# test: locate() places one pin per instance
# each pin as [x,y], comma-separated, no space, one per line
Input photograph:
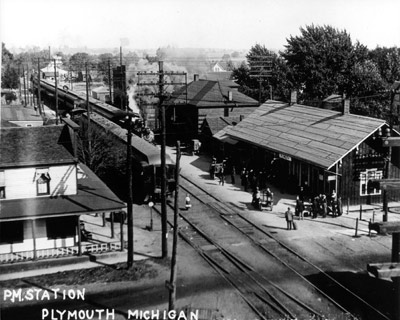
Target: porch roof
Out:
[317,136]
[93,196]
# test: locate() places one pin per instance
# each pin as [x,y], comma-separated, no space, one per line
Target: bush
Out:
[10,97]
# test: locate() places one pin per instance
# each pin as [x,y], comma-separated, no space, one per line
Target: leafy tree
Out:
[78,61]
[388,62]
[9,69]
[106,61]
[321,60]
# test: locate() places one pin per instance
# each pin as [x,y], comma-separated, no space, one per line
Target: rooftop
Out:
[207,93]
[317,136]
[45,145]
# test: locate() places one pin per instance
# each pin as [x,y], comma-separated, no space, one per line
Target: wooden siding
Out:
[21,184]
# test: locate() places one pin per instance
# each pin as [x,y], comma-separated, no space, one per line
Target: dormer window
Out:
[42,178]
[2,185]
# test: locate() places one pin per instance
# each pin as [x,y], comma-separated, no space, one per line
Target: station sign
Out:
[285,157]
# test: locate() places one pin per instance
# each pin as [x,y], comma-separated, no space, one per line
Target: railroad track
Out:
[260,291]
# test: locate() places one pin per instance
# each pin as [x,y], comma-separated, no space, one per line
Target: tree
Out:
[9,69]
[78,60]
[321,60]
[388,62]
[106,61]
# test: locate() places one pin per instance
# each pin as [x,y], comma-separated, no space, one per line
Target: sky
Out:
[230,24]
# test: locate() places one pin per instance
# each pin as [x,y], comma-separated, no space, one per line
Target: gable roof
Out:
[34,146]
[216,124]
[92,196]
[212,94]
[317,136]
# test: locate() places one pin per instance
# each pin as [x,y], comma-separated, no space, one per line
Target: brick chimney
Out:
[230,96]
[346,106]
[196,77]
[293,97]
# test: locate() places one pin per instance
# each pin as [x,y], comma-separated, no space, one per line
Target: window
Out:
[367,184]
[2,185]
[11,232]
[61,228]
[42,178]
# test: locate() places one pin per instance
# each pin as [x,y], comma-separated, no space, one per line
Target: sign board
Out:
[331,178]
[391,142]
[283,156]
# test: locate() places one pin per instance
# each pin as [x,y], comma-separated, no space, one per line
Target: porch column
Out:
[33,225]
[122,232]
[112,224]
[79,235]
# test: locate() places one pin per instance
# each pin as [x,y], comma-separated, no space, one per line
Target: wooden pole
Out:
[56,88]
[164,243]
[34,239]
[356,228]
[172,293]
[130,200]
[39,89]
[78,219]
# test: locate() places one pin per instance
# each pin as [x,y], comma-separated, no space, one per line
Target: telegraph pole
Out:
[109,80]
[261,68]
[23,74]
[164,243]
[56,89]
[39,89]
[130,200]
[88,110]
[172,283]
[161,83]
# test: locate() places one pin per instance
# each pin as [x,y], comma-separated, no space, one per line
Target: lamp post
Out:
[151,204]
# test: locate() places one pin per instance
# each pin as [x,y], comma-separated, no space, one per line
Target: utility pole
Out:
[261,68]
[130,200]
[164,244]
[109,80]
[88,135]
[23,74]
[172,283]
[56,89]
[39,89]
[161,96]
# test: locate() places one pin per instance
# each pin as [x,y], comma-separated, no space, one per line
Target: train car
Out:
[146,159]
[69,100]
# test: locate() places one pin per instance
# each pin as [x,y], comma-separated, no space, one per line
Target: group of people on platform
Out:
[320,205]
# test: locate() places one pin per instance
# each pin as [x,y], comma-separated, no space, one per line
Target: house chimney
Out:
[293,97]
[196,77]
[230,96]
[346,106]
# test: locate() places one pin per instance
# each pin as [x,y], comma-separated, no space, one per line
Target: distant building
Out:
[101,93]
[191,104]
[43,193]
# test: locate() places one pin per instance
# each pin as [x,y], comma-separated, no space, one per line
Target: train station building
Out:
[320,149]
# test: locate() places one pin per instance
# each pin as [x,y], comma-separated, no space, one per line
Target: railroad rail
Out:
[263,295]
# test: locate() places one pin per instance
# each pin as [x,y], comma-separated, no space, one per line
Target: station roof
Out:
[211,94]
[93,196]
[317,136]
[44,145]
